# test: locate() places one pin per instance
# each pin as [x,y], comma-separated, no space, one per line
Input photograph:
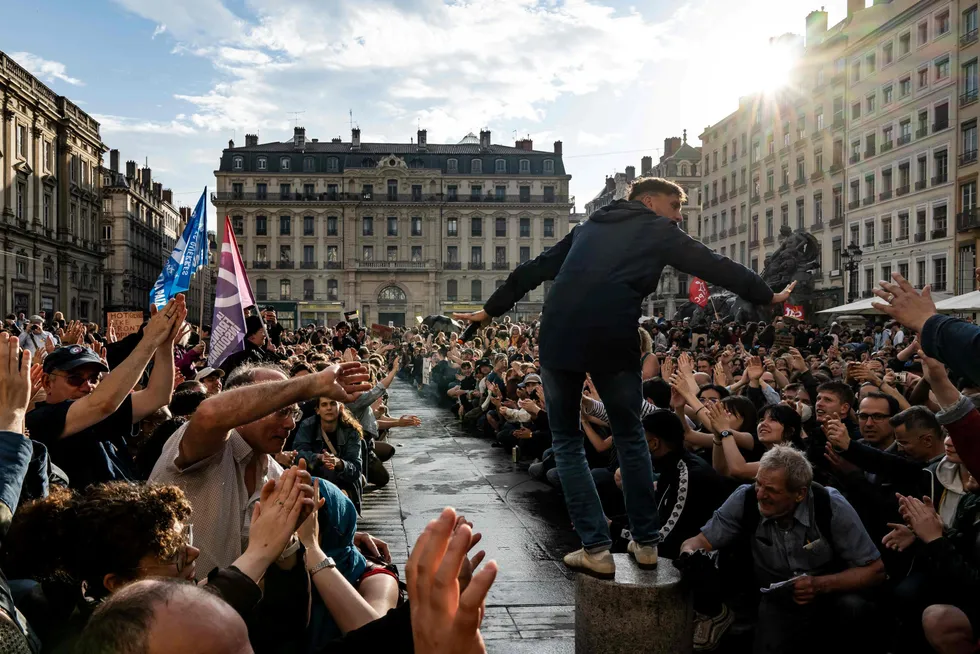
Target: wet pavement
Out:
[524,524]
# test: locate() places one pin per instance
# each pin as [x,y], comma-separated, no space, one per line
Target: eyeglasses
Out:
[874,417]
[290,412]
[77,380]
[187,541]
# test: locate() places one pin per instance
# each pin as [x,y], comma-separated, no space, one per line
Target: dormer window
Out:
[476,166]
[308,165]
[284,163]
[549,166]
[237,163]
[452,166]
[332,165]
[500,166]
[525,166]
[262,163]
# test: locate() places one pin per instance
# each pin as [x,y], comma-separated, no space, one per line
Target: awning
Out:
[863,306]
[966,303]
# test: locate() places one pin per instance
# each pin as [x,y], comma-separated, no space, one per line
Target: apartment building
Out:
[394,230]
[50,152]
[902,142]
[967,222]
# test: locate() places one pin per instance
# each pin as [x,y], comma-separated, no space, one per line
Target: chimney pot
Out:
[423,139]
[630,174]
[114,160]
[251,140]
[646,165]
[146,178]
[158,190]
[231,144]
[558,148]
[168,196]
[484,139]
[299,137]
[355,138]
[130,170]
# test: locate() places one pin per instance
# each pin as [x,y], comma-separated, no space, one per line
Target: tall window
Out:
[525,254]
[367,226]
[307,225]
[284,289]
[500,227]
[261,289]
[525,228]
[476,291]
[332,290]
[452,227]
[392,226]
[549,227]
[939,274]
[331,225]
[416,226]
[285,225]
[476,226]
[451,286]
[307,289]
[260,226]
[309,254]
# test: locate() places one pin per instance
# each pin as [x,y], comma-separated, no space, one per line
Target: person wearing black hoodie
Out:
[602,271]
[255,347]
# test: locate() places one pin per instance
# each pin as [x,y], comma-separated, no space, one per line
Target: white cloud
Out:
[45,69]
[160,29]
[110,124]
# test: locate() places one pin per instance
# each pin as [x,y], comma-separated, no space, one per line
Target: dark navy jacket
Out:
[602,271]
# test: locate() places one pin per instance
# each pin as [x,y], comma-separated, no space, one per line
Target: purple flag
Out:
[232,296]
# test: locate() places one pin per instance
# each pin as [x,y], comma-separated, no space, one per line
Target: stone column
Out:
[648,611]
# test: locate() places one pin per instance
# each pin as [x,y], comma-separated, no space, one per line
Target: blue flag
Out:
[190,253]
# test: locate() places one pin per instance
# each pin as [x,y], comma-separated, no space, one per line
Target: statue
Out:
[441,324]
[796,258]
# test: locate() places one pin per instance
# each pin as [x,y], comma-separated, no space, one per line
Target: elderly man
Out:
[211,378]
[809,536]
[34,336]
[223,455]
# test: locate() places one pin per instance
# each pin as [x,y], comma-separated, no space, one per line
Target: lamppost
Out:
[668,282]
[852,259]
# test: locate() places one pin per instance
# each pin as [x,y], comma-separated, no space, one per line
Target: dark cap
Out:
[70,357]
[481,363]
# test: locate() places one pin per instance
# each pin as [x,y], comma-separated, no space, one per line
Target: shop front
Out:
[322,314]
[285,312]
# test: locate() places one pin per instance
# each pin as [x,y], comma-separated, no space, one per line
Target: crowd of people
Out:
[815,485]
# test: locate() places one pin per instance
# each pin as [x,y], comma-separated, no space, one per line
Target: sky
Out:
[171,81]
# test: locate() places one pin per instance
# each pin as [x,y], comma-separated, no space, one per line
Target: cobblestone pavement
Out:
[524,524]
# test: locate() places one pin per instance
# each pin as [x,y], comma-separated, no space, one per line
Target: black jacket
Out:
[251,354]
[602,271]
[688,492]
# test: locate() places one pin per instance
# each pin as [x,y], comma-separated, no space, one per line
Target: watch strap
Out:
[327,562]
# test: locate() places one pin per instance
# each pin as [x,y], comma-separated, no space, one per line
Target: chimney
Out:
[231,144]
[355,138]
[558,148]
[524,144]
[185,214]
[816,27]
[854,6]
[168,196]
[646,165]
[671,145]
[299,137]
[315,140]
[251,139]
[630,174]
[130,170]
[422,139]
[484,139]
[336,139]
[610,184]
[146,178]
[158,190]
[114,160]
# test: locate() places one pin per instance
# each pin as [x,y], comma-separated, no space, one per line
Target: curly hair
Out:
[345,417]
[82,537]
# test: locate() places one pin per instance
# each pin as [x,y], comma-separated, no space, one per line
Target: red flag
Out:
[698,292]
[793,311]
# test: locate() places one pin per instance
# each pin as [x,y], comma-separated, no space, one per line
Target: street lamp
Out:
[852,259]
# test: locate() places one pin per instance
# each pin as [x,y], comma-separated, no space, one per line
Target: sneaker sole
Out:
[643,566]
[605,576]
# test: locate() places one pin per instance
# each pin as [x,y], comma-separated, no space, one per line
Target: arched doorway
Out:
[392,304]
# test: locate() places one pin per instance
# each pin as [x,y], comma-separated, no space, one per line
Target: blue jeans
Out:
[622,395]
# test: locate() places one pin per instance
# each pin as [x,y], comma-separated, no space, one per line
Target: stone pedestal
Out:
[638,611]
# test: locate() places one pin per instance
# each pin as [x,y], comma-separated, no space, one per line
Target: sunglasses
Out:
[77,380]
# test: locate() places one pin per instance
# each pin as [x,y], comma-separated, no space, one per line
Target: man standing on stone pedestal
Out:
[602,271]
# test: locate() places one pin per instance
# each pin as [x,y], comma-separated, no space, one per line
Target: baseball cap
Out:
[530,379]
[204,373]
[69,357]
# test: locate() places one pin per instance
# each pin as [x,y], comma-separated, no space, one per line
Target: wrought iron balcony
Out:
[939,232]
[854,158]
[783,188]
[853,204]
[920,237]
[260,265]
[308,265]
[920,133]
[501,265]
[904,140]
[884,195]
[886,146]
[968,98]
[286,265]
[919,185]
[424,264]
[939,179]
[902,190]
[968,220]
[868,201]
[836,167]
[476,265]
[333,265]
[968,157]
[304,198]
[816,175]
[870,152]
[938,127]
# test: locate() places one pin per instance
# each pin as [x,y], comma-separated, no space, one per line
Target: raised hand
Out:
[836,433]
[754,369]
[15,384]
[782,296]
[905,304]
[161,325]
[667,368]
[899,538]
[921,517]
[343,382]
[720,377]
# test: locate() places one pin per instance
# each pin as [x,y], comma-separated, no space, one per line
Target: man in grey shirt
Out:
[829,570]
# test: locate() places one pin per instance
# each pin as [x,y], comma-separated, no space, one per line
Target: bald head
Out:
[156,616]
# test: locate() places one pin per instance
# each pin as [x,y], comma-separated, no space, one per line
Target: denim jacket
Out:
[309,444]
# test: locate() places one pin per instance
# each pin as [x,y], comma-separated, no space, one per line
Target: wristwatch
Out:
[726,434]
[327,562]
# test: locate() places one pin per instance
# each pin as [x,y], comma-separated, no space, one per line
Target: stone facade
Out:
[967,221]
[140,227]
[395,231]
[50,153]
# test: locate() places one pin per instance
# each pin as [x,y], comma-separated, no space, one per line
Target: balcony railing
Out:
[886,146]
[767,240]
[308,265]
[817,226]
[967,220]
[968,157]
[854,158]
[884,195]
[870,152]
[837,79]
[919,133]
[744,188]
[425,264]
[742,228]
[259,265]
[838,123]
[939,232]
[868,200]
[723,233]
[286,265]
[799,182]
[816,175]
[939,179]
[853,204]
[837,222]
[333,265]
[783,188]
[816,135]
[226,196]
[769,195]
[836,167]
[723,197]
[904,140]
[476,265]
[919,185]
[501,265]
[920,237]
[452,265]
[714,202]
[938,127]
[902,190]
[969,97]
[754,243]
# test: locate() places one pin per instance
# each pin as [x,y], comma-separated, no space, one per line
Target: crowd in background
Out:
[806,475]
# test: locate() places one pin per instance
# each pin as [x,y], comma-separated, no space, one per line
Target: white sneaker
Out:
[644,555]
[600,565]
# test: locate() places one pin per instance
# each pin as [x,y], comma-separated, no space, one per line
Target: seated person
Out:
[800,528]
[330,443]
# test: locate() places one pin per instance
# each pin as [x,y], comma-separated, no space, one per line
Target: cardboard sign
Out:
[125,322]
[426,370]
[793,311]
[783,340]
[352,316]
[382,332]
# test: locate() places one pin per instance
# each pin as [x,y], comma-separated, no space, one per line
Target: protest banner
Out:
[125,322]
